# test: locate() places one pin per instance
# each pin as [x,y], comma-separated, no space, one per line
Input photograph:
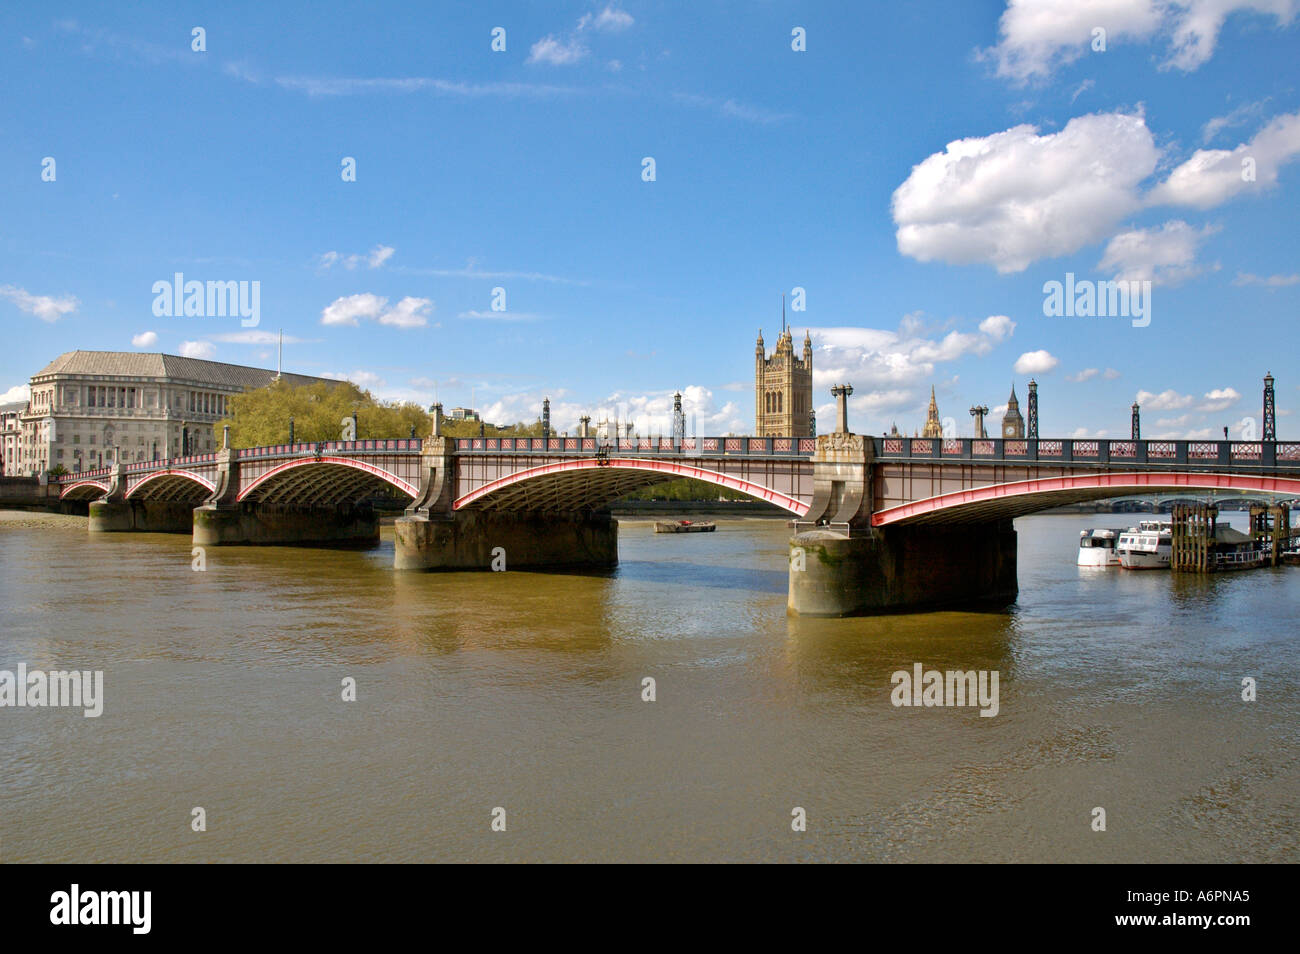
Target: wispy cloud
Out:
[566,49]
[358,86]
[259,338]
[1268,281]
[45,307]
[557,51]
[733,108]
[499,315]
[375,258]
[471,270]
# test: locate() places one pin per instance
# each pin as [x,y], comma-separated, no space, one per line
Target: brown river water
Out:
[523,691]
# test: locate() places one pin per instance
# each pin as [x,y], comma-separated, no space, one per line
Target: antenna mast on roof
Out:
[279,354]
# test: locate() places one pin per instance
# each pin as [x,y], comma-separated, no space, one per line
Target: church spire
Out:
[933,426]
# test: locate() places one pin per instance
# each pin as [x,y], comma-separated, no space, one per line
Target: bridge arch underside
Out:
[84,490]
[591,486]
[172,486]
[323,483]
[1002,501]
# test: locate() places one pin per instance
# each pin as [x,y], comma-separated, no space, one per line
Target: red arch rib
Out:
[360,465]
[1120,483]
[672,468]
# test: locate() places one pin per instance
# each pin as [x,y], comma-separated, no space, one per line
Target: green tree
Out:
[261,416]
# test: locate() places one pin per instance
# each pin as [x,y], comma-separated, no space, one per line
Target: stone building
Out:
[11,433]
[783,401]
[84,404]
[1013,424]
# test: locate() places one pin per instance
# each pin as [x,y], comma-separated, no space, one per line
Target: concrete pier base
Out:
[282,525]
[476,540]
[140,516]
[902,568]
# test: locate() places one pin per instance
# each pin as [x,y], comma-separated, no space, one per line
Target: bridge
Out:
[881,522]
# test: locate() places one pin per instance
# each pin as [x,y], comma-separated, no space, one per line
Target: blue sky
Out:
[920,170]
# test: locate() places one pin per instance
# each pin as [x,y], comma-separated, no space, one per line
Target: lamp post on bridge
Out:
[978,412]
[841,394]
[1032,423]
[1137,421]
[1270,418]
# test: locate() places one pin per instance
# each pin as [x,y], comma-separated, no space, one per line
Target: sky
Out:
[610,207]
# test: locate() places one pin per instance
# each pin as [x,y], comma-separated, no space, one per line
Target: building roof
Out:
[133,364]
[18,406]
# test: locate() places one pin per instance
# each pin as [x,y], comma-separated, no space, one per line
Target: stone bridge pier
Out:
[226,519]
[433,535]
[842,566]
[117,512]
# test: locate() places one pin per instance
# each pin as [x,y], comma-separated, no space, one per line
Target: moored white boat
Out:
[1148,546]
[1097,547]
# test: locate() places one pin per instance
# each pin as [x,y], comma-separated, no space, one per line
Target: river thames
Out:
[523,691]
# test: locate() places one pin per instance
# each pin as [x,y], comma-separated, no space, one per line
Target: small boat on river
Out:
[684,526]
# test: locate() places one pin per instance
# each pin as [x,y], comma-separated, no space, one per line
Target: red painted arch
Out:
[202,481]
[1121,483]
[672,468]
[83,483]
[361,465]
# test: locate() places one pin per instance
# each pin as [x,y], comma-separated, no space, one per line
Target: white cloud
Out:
[1181,420]
[145,339]
[1036,362]
[1169,400]
[1271,281]
[609,20]
[347,310]
[1110,374]
[197,349]
[1165,255]
[44,307]
[1014,197]
[19,392]
[376,257]
[407,313]
[1212,176]
[1036,36]
[567,49]
[1219,399]
[998,327]
[1083,434]
[556,51]
[1196,25]
[884,366]
[1087,374]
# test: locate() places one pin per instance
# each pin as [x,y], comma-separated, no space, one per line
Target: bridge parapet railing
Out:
[1190,453]
[137,466]
[399,445]
[651,446]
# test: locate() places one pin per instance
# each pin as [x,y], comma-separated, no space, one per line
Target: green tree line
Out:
[261,416]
